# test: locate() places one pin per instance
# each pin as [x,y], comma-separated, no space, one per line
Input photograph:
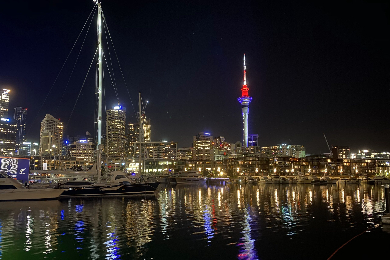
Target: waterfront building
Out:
[158,150]
[245,100]
[203,144]
[269,151]
[4,103]
[20,117]
[7,137]
[115,135]
[83,151]
[370,154]
[158,157]
[203,152]
[341,152]
[51,135]
[283,150]
[297,151]
[184,153]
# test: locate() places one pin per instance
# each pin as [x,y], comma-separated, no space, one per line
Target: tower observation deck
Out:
[245,100]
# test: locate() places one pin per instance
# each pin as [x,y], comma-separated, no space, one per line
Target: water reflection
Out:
[230,222]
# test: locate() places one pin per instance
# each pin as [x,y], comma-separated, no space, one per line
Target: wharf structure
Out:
[213,156]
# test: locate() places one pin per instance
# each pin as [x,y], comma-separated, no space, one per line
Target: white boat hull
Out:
[29,194]
[189,180]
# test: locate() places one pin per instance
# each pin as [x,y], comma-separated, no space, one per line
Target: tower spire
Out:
[245,100]
[244,71]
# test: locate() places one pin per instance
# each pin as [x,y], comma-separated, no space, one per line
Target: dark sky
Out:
[311,68]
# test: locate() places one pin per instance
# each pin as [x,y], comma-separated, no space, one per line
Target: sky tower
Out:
[245,100]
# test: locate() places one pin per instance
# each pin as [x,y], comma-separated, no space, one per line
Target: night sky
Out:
[311,68]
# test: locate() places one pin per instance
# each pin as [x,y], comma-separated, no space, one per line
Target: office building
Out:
[203,147]
[7,137]
[115,135]
[20,117]
[51,135]
[4,103]
[29,149]
[83,151]
[132,135]
[283,150]
[341,152]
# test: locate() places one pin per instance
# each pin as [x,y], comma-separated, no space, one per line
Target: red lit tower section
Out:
[245,100]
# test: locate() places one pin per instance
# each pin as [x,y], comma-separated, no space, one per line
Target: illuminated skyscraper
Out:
[133,135]
[83,150]
[7,137]
[245,100]
[203,144]
[20,117]
[4,103]
[52,132]
[115,134]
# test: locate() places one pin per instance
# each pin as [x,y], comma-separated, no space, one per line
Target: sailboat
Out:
[119,184]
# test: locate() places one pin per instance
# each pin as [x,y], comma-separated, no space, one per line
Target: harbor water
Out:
[264,221]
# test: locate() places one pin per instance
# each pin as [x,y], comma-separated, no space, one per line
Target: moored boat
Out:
[190,177]
[302,179]
[11,189]
[266,179]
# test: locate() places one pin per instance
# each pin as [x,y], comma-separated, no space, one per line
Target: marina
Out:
[264,221]
[109,177]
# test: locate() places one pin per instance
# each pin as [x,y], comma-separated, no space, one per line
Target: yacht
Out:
[292,180]
[314,179]
[117,184]
[328,180]
[190,177]
[379,180]
[350,180]
[11,189]
[266,179]
[302,179]
[283,180]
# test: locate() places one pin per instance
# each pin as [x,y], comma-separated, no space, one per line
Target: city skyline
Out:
[311,69]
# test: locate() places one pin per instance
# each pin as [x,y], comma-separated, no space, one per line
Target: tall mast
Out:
[99,89]
[141,135]
[99,75]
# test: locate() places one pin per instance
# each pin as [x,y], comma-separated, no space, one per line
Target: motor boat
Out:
[190,177]
[11,189]
[266,180]
[302,179]
[328,180]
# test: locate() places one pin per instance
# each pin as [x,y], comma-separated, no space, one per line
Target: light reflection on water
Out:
[229,222]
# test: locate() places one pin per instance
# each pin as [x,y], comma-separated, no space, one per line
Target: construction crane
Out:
[327,143]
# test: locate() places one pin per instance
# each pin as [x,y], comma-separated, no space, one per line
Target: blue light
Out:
[79,208]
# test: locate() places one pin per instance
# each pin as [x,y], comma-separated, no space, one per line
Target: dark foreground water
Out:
[186,222]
